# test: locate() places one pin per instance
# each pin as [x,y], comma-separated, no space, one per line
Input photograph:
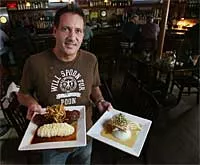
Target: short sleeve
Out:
[96,76]
[27,81]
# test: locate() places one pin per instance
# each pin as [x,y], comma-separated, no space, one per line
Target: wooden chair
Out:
[149,107]
[129,90]
[126,48]
[155,78]
[124,57]
[106,91]
[137,100]
[15,114]
[186,78]
[107,67]
[106,75]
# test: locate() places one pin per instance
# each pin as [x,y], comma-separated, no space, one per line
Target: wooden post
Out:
[166,4]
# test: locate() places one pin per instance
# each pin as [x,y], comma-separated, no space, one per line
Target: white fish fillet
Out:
[55,129]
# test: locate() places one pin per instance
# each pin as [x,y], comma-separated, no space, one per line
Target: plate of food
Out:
[121,130]
[59,127]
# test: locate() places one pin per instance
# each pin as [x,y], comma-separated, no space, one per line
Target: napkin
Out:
[6,99]
[11,88]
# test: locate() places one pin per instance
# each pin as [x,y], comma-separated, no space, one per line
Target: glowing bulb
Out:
[28,4]
[3,19]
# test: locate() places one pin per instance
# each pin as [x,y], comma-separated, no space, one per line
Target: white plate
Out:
[95,132]
[80,140]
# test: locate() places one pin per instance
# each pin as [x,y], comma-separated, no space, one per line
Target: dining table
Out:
[153,73]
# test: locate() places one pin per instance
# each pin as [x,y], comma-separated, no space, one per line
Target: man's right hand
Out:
[32,108]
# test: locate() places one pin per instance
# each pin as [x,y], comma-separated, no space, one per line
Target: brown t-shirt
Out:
[52,81]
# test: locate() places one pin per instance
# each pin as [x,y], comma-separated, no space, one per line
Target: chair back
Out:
[186,76]
[106,91]
[107,70]
[129,92]
[137,100]
[108,96]
[148,106]
[15,114]
[126,47]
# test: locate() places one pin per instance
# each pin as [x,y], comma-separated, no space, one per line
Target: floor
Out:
[176,143]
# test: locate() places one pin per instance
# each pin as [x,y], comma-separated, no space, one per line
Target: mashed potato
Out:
[55,129]
[120,134]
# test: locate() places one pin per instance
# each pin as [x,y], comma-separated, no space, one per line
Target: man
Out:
[88,35]
[6,55]
[149,34]
[131,29]
[65,75]
[150,30]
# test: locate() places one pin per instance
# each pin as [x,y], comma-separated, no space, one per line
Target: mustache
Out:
[69,41]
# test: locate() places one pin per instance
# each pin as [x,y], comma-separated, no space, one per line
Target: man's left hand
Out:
[104,106]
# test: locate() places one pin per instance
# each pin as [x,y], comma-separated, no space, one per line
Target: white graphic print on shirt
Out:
[67,82]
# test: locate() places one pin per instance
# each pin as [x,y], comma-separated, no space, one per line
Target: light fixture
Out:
[28,5]
[103,13]
[3,20]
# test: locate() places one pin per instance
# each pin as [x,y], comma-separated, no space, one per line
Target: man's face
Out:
[69,34]
[136,18]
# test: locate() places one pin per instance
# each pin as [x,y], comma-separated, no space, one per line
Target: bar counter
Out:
[174,39]
[103,38]
[96,31]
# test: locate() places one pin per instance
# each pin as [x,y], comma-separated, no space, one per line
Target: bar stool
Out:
[126,51]
[126,47]
[149,47]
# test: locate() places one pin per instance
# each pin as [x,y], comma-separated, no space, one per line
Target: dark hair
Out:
[133,15]
[67,9]
[150,18]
